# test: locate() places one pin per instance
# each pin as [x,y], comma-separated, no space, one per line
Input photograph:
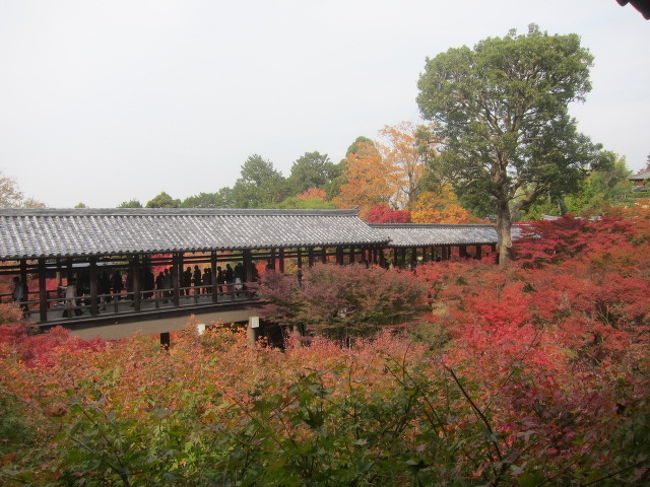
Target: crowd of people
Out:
[116,285]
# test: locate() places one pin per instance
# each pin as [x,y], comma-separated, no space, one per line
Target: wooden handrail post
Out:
[213,274]
[42,290]
[92,275]
[136,272]
[175,294]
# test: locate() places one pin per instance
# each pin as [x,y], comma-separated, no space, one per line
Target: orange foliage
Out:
[385,172]
[313,194]
[442,207]
[370,180]
[400,151]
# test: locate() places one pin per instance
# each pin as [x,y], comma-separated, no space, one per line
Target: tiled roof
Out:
[640,176]
[33,233]
[424,235]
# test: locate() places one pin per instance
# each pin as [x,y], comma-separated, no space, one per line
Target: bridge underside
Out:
[159,322]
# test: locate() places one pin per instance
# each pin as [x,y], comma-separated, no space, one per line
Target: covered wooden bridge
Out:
[115,272]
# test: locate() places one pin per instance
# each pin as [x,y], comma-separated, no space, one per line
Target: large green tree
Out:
[500,113]
[163,200]
[220,199]
[312,170]
[132,203]
[259,185]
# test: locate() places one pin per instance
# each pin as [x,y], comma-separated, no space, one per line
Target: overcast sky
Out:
[104,101]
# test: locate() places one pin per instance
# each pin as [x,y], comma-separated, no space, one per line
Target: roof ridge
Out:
[431,225]
[20,212]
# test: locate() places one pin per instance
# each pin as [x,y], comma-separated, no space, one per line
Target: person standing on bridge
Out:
[196,280]
[117,283]
[207,280]
[186,281]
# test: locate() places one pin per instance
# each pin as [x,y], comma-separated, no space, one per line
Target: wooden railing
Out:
[56,307]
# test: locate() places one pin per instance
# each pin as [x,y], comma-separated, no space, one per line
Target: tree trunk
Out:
[504,223]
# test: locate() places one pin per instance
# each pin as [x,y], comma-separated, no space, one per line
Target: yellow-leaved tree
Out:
[386,171]
[440,207]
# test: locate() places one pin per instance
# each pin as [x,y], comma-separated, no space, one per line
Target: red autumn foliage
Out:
[553,355]
[383,214]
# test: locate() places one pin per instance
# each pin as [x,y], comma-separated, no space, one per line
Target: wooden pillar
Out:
[310,256]
[299,258]
[165,340]
[395,258]
[479,252]
[247,256]
[339,255]
[351,255]
[414,257]
[323,255]
[462,251]
[42,290]
[382,257]
[59,274]
[92,275]
[175,294]
[281,260]
[272,260]
[213,275]
[402,257]
[68,273]
[136,273]
[364,256]
[23,274]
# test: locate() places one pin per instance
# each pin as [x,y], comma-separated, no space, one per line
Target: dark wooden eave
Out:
[642,6]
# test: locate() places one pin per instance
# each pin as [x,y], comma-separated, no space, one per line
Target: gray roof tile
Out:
[33,233]
[425,235]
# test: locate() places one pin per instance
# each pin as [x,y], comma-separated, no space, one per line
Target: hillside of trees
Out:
[458,373]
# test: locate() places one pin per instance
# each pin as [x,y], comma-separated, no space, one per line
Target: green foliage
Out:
[220,199]
[163,200]
[312,170]
[80,205]
[501,112]
[606,185]
[295,203]
[259,184]
[130,204]
[14,430]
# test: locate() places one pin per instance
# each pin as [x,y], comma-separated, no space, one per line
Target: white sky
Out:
[106,101]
